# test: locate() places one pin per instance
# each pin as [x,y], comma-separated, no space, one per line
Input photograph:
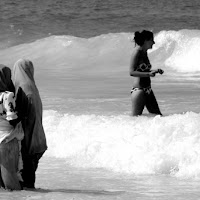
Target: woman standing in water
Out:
[29,107]
[140,68]
[11,134]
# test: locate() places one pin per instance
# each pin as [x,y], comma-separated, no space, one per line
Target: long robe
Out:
[29,107]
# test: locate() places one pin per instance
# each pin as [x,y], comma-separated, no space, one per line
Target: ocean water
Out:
[81,52]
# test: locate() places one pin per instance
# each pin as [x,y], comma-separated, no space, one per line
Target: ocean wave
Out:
[180,50]
[174,51]
[124,144]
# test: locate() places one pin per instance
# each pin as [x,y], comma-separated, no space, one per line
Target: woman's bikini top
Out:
[143,67]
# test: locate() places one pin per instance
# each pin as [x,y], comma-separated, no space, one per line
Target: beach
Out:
[81,53]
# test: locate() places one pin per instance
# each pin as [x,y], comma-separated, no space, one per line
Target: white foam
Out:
[181,50]
[134,145]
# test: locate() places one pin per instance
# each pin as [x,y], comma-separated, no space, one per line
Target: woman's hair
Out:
[140,37]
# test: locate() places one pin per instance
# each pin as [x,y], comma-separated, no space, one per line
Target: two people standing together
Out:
[22,137]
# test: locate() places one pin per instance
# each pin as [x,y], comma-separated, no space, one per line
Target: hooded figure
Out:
[29,108]
[9,135]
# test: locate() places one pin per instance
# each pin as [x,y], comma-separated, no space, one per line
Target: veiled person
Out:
[11,134]
[29,107]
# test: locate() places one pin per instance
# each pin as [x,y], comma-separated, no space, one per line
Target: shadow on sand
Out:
[77,191]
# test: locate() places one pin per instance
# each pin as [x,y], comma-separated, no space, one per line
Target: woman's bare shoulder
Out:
[136,52]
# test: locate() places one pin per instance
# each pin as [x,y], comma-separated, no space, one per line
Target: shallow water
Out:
[58,181]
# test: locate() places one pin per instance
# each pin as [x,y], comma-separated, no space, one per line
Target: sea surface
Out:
[81,52]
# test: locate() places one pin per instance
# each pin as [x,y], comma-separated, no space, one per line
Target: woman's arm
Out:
[133,67]
[143,74]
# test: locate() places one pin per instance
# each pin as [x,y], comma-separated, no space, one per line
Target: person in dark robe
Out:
[30,111]
[9,144]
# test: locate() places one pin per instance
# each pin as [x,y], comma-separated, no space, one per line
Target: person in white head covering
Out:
[29,108]
[10,134]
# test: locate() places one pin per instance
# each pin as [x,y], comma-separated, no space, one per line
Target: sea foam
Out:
[125,144]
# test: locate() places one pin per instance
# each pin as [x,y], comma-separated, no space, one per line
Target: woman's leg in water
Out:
[151,104]
[138,102]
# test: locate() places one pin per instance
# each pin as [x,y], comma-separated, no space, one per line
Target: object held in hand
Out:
[160,71]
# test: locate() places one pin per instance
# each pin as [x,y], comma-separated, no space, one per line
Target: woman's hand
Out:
[160,71]
[152,73]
